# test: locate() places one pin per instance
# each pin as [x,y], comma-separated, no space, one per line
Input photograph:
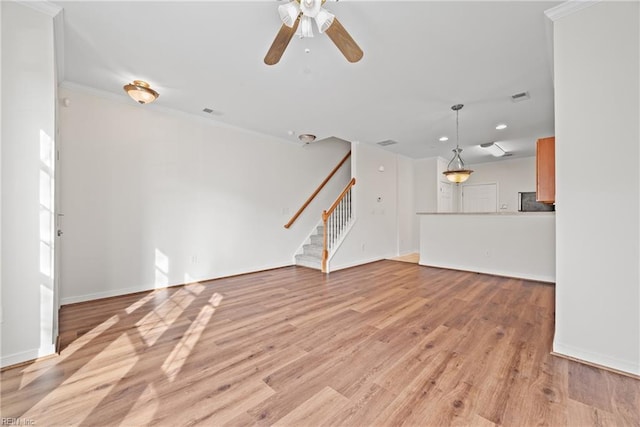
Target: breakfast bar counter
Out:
[513,244]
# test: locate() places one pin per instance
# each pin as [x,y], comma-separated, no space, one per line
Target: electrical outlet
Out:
[503,206]
[194,259]
[363,247]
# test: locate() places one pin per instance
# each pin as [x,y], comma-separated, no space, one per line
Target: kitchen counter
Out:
[514,244]
[486,213]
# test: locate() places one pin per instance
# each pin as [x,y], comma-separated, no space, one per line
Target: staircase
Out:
[336,223]
[311,255]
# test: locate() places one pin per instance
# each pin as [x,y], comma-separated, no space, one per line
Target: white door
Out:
[480,198]
[445,197]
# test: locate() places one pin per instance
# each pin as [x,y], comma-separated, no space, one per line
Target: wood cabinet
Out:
[546,170]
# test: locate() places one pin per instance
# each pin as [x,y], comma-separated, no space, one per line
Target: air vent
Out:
[387,142]
[522,96]
[212,111]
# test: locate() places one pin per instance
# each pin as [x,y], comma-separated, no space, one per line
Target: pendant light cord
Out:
[457,129]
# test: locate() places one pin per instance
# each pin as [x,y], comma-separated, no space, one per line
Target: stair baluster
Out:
[336,221]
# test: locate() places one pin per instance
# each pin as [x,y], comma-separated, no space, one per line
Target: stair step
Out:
[309,261]
[312,249]
[316,239]
[320,229]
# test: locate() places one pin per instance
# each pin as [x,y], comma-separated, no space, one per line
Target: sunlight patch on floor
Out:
[110,365]
[34,371]
[182,350]
[154,324]
[145,408]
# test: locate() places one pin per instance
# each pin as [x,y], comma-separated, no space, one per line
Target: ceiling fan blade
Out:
[280,43]
[341,38]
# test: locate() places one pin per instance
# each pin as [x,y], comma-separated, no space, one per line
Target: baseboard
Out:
[138,289]
[612,364]
[356,263]
[510,274]
[105,294]
[28,356]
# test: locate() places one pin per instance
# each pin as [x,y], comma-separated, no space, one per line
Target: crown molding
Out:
[58,40]
[125,100]
[568,8]
[43,6]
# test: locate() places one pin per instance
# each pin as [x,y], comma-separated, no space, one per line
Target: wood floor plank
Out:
[316,411]
[383,344]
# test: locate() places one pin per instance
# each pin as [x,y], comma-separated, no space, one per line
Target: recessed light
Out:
[501,126]
[443,138]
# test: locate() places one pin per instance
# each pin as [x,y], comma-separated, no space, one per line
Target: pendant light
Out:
[456,171]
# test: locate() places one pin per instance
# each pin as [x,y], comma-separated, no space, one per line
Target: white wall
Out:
[597,185]
[512,244]
[408,224]
[426,184]
[374,234]
[511,175]
[154,199]
[28,115]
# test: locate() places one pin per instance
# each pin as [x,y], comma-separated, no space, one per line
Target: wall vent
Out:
[387,142]
[521,96]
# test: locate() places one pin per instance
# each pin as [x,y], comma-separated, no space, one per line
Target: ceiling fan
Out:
[297,17]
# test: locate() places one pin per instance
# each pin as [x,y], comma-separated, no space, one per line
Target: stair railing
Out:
[336,220]
[315,193]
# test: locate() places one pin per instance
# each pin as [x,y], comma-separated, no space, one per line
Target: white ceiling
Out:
[420,58]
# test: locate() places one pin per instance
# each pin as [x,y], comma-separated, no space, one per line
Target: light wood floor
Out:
[385,344]
[413,258]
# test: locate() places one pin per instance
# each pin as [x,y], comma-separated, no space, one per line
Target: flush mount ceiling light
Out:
[307,138]
[494,149]
[443,139]
[456,171]
[501,126]
[141,92]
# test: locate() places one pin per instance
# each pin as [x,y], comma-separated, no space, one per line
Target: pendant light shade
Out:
[456,170]
[141,92]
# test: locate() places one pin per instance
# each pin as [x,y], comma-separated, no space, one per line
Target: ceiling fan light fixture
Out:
[297,16]
[141,92]
[456,171]
[310,8]
[305,29]
[289,13]
[324,19]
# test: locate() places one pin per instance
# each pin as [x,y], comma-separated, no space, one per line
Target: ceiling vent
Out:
[387,142]
[522,96]
[212,111]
